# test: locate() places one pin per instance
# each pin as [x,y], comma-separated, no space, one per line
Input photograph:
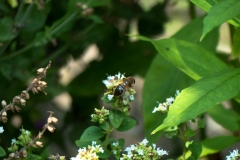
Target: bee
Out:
[123,87]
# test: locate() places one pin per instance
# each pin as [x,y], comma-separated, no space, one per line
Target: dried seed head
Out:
[4,117]
[40,70]
[16,99]
[54,119]
[39,144]
[11,106]
[18,109]
[25,95]
[4,103]
[24,153]
[34,90]
[4,114]
[51,128]
[49,120]
[35,80]
[12,155]
[23,101]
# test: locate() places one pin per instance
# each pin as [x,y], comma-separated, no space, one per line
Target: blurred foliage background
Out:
[94,33]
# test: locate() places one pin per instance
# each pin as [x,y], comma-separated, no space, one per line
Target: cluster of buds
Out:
[35,86]
[164,107]
[57,157]
[120,91]
[116,149]
[26,140]
[100,115]
[143,151]
[89,153]
[85,9]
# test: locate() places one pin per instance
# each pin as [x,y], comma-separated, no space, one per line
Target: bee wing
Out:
[125,97]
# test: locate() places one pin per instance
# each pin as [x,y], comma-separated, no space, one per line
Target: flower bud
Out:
[24,153]
[34,80]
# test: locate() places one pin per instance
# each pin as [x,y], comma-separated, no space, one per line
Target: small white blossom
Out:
[140,152]
[145,141]
[1,130]
[13,141]
[131,97]
[110,97]
[107,83]
[115,143]
[233,155]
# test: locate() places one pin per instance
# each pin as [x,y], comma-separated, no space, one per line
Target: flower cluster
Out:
[35,86]
[233,155]
[119,92]
[100,115]
[89,153]
[143,151]
[164,107]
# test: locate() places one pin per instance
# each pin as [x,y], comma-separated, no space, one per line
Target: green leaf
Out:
[105,126]
[116,118]
[216,144]
[219,13]
[201,96]
[126,124]
[235,43]
[190,58]
[6,29]
[2,152]
[189,133]
[33,157]
[163,76]
[105,154]
[201,123]
[92,133]
[227,118]
[207,5]
[196,149]
[37,17]
[210,41]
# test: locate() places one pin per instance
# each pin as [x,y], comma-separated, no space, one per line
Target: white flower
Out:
[161,152]
[114,152]
[107,83]
[177,92]
[170,100]
[154,146]
[1,130]
[155,109]
[145,141]
[140,152]
[110,97]
[13,141]
[131,97]
[115,143]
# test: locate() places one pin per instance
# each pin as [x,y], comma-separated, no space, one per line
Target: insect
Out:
[123,87]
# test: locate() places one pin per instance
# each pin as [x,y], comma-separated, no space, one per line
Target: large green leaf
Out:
[190,58]
[161,82]
[6,29]
[201,96]
[224,117]
[163,78]
[208,4]
[219,13]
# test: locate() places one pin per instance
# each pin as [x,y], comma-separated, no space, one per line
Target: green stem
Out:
[67,20]
[107,136]
[192,11]
[184,139]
